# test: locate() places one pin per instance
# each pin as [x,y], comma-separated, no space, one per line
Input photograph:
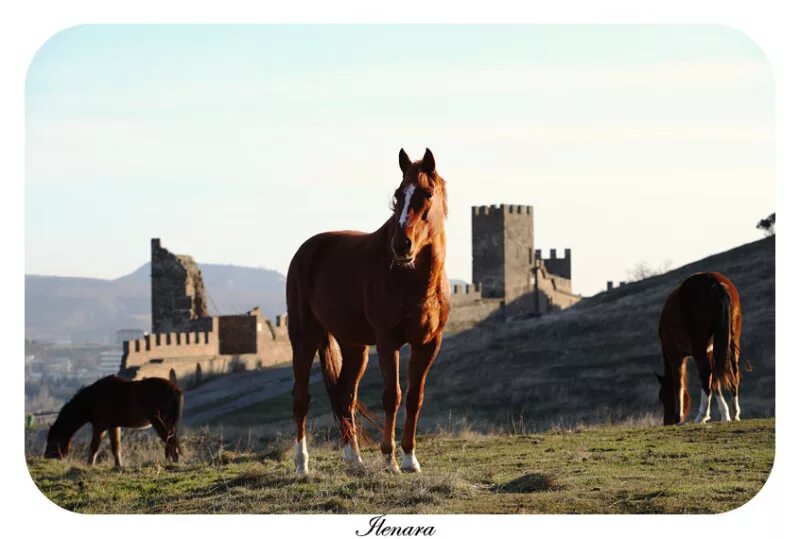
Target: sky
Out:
[634,144]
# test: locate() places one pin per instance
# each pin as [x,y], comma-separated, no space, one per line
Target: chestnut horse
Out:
[348,290]
[701,318]
[111,403]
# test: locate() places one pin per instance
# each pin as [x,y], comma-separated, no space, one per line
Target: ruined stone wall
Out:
[553,293]
[178,297]
[555,265]
[465,293]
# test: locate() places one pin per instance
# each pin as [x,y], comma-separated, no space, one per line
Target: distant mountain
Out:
[91,310]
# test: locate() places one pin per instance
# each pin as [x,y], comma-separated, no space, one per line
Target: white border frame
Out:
[24,28]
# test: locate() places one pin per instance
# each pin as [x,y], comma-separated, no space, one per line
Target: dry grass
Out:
[612,469]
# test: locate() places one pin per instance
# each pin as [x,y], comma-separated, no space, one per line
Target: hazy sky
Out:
[236,143]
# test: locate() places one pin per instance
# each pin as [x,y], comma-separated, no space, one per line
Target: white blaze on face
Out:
[408,192]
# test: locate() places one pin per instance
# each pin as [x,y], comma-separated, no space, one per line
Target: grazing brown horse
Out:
[111,403]
[701,318]
[348,290]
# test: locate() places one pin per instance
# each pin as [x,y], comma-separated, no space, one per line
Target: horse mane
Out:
[78,399]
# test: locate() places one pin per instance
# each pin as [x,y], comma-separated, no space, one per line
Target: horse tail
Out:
[331,361]
[724,369]
[173,443]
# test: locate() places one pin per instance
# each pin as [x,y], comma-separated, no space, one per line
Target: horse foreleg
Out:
[390,369]
[354,363]
[418,366]
[94,446]
[114,438]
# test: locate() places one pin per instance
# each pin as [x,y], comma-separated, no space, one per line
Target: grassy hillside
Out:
[591,363]
[689,469]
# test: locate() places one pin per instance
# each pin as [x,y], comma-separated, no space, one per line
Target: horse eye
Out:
[427,194]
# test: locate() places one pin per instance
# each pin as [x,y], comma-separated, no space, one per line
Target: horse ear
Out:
[428,163]
[173,377]
[405,162]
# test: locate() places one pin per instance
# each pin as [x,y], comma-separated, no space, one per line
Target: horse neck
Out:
[71,418]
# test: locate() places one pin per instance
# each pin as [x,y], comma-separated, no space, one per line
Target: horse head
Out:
[420,208]
[58,445]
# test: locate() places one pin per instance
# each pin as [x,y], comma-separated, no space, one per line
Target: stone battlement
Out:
[499,209]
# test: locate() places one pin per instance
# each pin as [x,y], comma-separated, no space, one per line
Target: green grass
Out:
[688,469]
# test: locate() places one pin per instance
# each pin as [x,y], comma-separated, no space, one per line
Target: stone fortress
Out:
[510,279]
[189,341]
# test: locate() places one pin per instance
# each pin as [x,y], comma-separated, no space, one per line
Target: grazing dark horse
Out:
[701,318]
[113,402]
[348,290]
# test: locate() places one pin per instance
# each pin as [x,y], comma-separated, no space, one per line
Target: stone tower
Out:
[502,250]
[178,297]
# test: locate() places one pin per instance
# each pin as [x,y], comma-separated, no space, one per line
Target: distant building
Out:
[110,363]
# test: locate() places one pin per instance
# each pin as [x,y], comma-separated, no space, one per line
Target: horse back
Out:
[328,281]
[131,403]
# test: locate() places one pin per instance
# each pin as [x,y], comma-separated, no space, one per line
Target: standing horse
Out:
[111,403]
[348,290]
[701,318]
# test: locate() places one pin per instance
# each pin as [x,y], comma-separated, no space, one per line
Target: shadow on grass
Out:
[532,482]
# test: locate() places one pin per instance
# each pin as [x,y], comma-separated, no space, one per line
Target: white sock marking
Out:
[409,191]
[724,412]
[301,457]
[704,413]
[737,412]
[351,453]
[410,463]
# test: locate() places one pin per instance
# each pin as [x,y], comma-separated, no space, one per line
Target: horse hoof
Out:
[392,468]
[351,456]
[410,464]
[301,471]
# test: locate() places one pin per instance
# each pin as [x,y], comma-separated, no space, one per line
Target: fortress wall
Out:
[465,294]
[273,342]
[137,352]
[467,315]
[553,293]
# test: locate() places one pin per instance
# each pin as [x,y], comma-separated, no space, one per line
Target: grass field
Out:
[708,468]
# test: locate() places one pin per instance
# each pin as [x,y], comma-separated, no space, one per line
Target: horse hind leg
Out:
[724,411]
[114,438]
[354,363]
[700,354]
